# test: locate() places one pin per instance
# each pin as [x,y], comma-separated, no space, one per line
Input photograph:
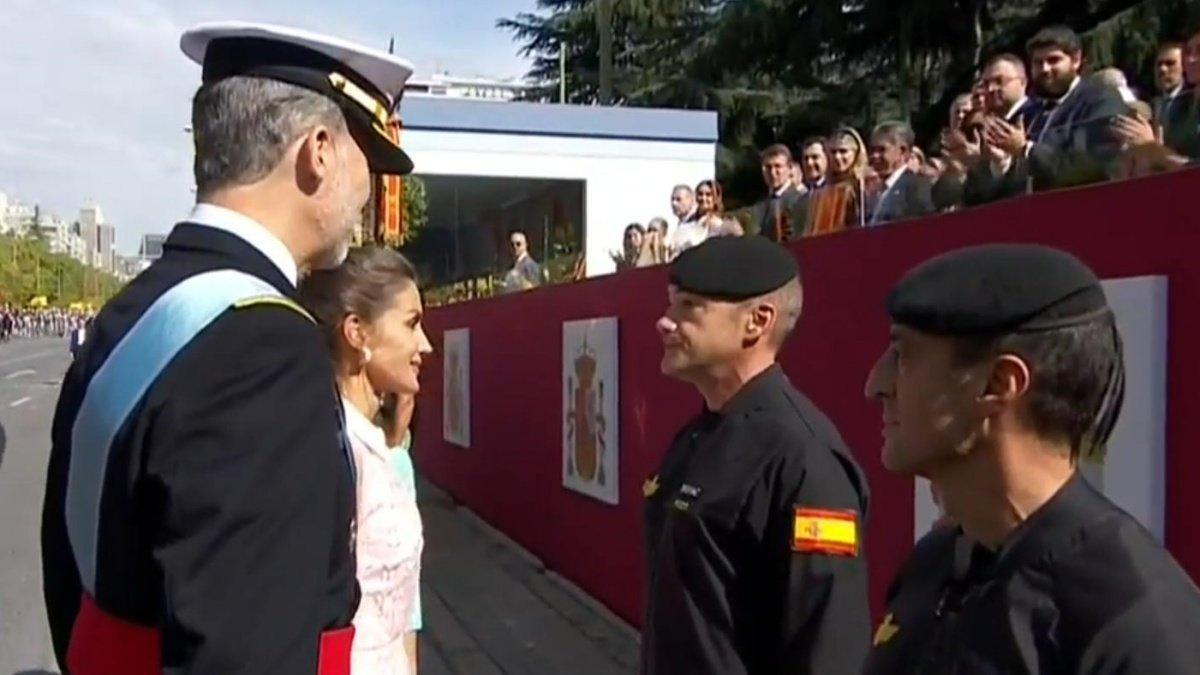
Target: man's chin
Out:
[672,367]
[1055,89]
[895,461]
[333,257]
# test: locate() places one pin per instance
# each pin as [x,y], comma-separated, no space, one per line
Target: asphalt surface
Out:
[30,374]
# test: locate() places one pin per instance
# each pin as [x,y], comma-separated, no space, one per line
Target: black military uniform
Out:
[755,521]
[199,510]
[1080,586]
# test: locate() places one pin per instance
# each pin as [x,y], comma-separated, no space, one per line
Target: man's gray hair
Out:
[682,188]
[788,302]
[243,125]
[1113,78]
[898,133]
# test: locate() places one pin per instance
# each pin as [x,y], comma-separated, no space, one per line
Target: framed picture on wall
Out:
[590,422]
[456,387]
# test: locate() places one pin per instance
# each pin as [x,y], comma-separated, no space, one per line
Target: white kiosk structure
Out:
[568,175]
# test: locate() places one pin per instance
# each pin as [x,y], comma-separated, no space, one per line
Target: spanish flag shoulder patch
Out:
[829,531]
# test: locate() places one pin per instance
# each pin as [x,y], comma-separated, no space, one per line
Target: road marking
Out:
[20,373]
[29,357]
[19,402]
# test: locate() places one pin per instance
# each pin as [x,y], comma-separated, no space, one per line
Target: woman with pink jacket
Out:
[371,311]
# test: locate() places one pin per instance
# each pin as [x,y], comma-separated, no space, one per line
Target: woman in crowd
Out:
[654,248]
[631,247]
[841,204]
[370,310]
[959,110]
[710,210]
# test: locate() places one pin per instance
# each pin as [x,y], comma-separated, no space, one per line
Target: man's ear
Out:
[760,319]
[314,159]
[1009,380]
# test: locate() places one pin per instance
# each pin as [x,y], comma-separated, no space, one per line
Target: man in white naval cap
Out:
[199,510]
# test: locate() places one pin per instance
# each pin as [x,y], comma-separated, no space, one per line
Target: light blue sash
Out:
[119,385]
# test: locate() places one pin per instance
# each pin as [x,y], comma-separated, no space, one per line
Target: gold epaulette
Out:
[277,300]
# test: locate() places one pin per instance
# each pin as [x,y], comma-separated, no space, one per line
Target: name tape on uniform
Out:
[829,531]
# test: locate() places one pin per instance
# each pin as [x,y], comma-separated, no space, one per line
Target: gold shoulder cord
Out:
[277,300]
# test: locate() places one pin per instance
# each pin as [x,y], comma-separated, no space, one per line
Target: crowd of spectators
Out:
[1027,124]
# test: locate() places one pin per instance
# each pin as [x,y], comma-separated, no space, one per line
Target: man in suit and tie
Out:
[1071,141]
[1173,103]
[774,217]
[814,165]
[1005,81]
[905,194]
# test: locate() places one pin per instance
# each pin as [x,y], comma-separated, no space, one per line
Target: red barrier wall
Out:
[511,476]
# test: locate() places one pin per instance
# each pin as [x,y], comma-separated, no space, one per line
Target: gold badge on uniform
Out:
[829,531]
[886,631]
[650,487]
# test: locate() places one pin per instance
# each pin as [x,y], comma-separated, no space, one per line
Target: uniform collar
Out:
[250,231]
[751,395]
[1073,508]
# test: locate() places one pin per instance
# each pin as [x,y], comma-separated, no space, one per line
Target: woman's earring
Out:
[366,355]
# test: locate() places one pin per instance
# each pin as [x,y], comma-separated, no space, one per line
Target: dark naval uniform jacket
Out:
[1081,588]
[754,531]
[199,505]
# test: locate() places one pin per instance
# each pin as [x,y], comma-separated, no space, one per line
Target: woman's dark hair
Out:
[365,285]
[634,227]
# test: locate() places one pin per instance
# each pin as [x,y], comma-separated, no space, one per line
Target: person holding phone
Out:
[370,311]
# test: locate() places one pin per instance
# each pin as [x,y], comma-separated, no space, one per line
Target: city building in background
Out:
[62,237]
[149,250]
[15,217]
[129,266]
[99,238]
[443,84]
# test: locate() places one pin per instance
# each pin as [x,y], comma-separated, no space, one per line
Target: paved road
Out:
[489,608]
[30,373]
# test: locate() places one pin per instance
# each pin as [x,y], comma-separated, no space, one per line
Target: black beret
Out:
[996,289]
[734,268]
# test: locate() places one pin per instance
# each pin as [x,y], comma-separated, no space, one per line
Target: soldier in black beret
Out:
[1004,371]
[755,519]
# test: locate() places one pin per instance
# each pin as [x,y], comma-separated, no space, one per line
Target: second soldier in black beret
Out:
[1005,371]
[755,519]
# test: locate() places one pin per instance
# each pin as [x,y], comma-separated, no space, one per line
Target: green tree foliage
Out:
[416,207]
[28,270]
[780,70]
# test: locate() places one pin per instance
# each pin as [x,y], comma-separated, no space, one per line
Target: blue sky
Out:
[97,92]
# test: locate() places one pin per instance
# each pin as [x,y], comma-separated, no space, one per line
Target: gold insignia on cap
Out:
[376,109]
